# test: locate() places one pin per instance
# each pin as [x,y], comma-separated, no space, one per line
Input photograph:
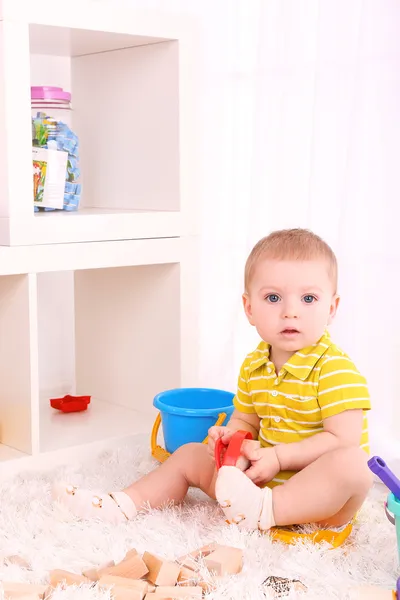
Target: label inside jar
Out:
[49,175]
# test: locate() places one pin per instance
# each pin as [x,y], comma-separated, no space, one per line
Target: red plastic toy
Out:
[70,403]
[227,455]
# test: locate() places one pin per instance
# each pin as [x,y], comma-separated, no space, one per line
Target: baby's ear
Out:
[247,308]
[333,308]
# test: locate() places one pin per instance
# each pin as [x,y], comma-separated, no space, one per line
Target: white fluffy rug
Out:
[50,538]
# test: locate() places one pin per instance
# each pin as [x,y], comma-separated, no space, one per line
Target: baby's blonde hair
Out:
[291,244]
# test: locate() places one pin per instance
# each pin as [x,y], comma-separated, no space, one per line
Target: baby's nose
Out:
[290,312]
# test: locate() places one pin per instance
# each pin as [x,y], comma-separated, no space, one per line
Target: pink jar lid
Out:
[49,93]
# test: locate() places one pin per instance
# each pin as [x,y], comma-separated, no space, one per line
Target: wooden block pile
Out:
[146,577]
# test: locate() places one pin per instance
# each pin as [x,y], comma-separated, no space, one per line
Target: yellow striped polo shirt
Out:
[315,383]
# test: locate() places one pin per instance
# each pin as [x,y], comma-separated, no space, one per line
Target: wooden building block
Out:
[91,573]
[161,572]
[16,590]
[190,560]
[48,593]
[225,560]
[193,578]
[188,576]
[58,576]
[119,592]
[135,584]
[23,597]
[177,591]
[130,553]
[106,565]
[15,559]
[204,550]
[131,566]
[209,585]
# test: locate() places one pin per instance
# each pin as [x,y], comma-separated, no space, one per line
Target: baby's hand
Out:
[264,463]
[214,434]
[243,462]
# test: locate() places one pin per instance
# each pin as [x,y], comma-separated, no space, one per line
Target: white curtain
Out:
[301,127]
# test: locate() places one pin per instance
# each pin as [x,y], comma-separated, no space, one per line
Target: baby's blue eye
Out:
[309,299]
[273,298]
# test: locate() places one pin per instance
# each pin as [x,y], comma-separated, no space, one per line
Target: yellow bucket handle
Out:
[158,452]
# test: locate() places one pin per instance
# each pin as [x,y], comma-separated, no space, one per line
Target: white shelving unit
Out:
[101,301]
[131,75]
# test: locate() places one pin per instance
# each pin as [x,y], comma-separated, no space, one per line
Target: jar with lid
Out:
[55,150]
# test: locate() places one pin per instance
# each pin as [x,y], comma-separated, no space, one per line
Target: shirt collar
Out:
[299,364]
[303,362]
[260,358]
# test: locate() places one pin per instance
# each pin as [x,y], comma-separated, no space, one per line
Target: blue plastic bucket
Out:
[188,413]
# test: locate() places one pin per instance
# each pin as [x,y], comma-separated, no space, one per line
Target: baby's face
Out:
[291,302]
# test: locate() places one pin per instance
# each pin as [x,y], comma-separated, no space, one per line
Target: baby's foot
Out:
[115,507]
[242,501]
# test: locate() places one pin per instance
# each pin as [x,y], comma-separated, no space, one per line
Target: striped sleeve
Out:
[341,387]
[242,401]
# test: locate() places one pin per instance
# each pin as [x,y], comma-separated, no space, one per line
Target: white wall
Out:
[56,330]
[302,128]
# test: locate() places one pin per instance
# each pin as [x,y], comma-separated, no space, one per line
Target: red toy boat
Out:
[70,403]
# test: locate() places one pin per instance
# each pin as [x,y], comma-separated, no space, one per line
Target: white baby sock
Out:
[114,507]
[242,501]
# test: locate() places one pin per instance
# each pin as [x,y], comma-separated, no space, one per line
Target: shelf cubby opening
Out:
[120,332]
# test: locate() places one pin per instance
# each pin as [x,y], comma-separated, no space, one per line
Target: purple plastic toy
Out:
[380,468]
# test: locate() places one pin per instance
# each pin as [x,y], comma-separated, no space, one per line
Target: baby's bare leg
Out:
[189,466]
[330,491]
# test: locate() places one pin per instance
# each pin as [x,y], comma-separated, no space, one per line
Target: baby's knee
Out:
[351,466]
[190,454]
[196,466]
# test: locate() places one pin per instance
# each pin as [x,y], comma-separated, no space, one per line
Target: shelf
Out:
[18,363]
[114,320]
[131,77]
[101,421]
[7,453]
[103,16]
[96,224]
[103,300]
[65,41]
[121,345]
[19,260]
